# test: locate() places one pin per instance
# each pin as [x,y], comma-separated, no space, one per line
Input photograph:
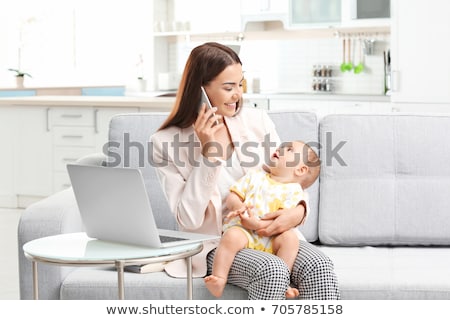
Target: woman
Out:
[203,151]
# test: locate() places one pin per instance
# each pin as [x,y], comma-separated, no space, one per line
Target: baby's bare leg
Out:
[233,240]
[286,245]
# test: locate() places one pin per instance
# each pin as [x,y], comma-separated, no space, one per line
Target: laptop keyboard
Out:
[169,239]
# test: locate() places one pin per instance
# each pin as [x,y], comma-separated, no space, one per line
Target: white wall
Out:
[287,65]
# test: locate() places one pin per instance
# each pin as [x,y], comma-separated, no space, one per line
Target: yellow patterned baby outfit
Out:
[266,195]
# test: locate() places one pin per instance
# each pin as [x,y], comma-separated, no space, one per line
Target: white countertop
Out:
[317,96]
[289,95]
[154,103]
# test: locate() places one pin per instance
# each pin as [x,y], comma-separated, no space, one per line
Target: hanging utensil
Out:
[360,66]
[343,64]
[349,64]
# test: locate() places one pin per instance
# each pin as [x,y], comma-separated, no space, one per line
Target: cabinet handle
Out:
[71,116]
[72,136]
[395,79]
[96,120]
[69,159]
[47,119]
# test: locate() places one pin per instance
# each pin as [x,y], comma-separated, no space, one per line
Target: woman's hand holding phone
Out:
[205,100]
[205,128]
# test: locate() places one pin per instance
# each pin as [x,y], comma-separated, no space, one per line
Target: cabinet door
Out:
[304,12]
[34,152]
[8,132]
[420,54]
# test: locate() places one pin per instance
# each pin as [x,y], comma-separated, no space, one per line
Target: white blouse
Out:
[231,171]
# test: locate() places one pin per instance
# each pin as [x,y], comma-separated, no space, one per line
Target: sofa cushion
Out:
[101,284]
[385,185]
[129,136]
[391,273]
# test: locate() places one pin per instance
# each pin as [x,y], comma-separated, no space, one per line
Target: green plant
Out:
[20,73]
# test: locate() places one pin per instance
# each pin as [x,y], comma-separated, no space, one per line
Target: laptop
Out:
[114,206]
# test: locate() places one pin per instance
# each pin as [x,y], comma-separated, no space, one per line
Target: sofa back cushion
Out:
[385,180]
[129,136]
[295,125]
[129,144]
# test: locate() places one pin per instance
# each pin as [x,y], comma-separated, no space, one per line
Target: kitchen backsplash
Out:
[288,65]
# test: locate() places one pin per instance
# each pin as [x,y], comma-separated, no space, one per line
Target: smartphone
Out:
[205,99]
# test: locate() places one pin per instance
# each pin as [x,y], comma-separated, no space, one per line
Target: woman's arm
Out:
[283,220]
[188,189]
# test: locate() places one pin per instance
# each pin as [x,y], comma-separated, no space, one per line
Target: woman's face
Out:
[225,91]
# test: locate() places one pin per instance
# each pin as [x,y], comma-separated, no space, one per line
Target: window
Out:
[64,43]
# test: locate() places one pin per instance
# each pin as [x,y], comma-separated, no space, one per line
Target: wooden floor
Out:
[9,266]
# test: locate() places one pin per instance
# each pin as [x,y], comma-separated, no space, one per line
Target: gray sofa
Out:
[383,215]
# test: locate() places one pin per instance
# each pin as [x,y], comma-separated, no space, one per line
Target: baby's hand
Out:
[249,220]
[236,213]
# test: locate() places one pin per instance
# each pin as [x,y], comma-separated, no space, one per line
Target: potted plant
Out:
[20,75]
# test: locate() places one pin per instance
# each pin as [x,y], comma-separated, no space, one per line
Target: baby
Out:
[280,185]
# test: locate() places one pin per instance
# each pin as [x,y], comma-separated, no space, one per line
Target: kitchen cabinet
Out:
[264,10]
[34,161]
[39,141]
[420,56]
[72,137]
[8,131]
[366,13]
[308,12]
[338,13]
[78,132]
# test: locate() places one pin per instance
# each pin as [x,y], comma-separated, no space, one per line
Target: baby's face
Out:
[289,155]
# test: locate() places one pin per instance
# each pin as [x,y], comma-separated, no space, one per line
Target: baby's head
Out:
[297,162]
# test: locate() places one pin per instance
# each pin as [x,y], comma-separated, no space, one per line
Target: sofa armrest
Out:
[56,214]
[93,159]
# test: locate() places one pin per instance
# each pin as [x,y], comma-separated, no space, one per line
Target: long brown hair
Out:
[205,63]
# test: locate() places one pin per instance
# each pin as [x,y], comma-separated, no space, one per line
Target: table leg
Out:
[120,266]
[189,278]
[35,280]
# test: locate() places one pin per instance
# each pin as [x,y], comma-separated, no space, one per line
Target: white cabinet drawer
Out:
[64,116]
[73,136]
[64,156]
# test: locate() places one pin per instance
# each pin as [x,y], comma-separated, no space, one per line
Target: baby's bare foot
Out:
[292,292]
[215,285]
